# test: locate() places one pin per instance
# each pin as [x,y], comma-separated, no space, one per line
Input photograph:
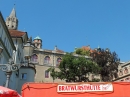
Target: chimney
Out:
[55,48]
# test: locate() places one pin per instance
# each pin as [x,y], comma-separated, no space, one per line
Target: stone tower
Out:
[12,21]
[37,42]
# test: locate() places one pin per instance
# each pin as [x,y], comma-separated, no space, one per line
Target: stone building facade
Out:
[123,72]
[46,59]
[50,58]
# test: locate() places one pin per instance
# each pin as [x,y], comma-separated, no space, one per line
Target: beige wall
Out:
[40,75]
[40,70]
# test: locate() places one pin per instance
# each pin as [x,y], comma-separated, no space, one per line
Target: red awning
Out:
[6,92]
[118,89]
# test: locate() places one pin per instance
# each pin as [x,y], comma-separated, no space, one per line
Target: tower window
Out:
[12,26]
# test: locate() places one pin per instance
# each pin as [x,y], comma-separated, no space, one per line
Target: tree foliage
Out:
[81,51]
[108,62]
[74,69]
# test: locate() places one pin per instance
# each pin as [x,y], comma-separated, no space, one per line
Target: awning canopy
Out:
[6,92]
[114,89]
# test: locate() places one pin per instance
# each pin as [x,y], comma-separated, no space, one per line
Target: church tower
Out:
[37,42]
[12,21]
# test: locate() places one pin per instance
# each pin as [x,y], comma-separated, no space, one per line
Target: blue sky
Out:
[75,23]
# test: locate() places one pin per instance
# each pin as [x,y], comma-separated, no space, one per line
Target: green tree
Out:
[74,69]
[81,51]
[107,61]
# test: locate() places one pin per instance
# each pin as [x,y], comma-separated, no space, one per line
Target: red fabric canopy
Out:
[120,89]
[6,92]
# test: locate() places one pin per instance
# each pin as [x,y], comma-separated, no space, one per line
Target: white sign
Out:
[96,87]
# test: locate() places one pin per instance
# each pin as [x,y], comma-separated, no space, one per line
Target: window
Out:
[19,54]
[126,70]
[24,76]
[34,58]
[127,80]
[47,59]
[8,19]
[122,80]
[120,73]
[58,61]
[46,74]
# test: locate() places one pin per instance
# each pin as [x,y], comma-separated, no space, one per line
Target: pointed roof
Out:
[13,13]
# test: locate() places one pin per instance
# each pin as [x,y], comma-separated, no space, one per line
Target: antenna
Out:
[14,3]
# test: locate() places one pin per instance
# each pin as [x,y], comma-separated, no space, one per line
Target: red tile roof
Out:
[87,48]
[59,51]
[16,33]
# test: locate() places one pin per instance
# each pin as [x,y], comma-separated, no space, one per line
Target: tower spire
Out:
[12,21]
[13,12]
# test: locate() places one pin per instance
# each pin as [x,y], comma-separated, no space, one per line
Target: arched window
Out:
[127,80]
[58,61]
[34,58]
[120,73]
[125,70]
[122,80]
[46,74]
[47,59]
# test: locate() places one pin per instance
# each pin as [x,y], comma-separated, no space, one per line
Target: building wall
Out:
[26,74]
[44,66]
[8,47]
[18,58]
[123,72]
[41,69]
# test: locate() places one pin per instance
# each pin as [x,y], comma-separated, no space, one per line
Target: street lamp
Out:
[10,67]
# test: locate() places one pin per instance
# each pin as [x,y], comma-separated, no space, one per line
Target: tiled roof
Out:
[16,33]
[59,51]
[87,48]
